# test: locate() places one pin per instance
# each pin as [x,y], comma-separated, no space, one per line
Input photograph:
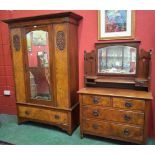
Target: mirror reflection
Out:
[38,64]
[117,60]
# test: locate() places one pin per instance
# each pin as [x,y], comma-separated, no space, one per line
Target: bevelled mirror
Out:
[38,64]
[117,59]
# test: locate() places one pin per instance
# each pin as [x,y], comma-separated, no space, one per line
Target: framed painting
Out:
[116,24]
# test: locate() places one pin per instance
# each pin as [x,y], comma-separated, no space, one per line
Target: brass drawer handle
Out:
[56,116]
[95,126]
[128,104]
[127,117]
[126,132]
[27,112]
[95,113]
[95,100]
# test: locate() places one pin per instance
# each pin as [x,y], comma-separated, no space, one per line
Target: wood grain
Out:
[117,92]
[42,114]
[61,69]
[98,127]
[96,100]
[109,114]
[18,67]
[122,103]
[134,133]
[121,121]
[63,109]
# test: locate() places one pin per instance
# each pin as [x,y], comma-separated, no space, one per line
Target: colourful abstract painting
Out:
[115,20]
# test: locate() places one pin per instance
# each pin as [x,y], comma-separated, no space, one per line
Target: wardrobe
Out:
[45,60]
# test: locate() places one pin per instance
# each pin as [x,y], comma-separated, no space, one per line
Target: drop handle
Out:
[127,117]
[56,116]
[95,113]
[126,132]
[95,100]
[95,126]
[27,112]
[128,104]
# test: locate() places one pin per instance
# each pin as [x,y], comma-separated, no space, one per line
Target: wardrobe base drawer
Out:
[42,114]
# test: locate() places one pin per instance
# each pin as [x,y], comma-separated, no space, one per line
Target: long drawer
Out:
[111,114]
[125,103]
[103,128]
[42,114]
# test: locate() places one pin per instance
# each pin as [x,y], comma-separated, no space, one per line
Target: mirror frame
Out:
[25,59]
[134,44]
[106,52]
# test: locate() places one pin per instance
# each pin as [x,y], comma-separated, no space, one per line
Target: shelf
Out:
[115,80]
[107,79]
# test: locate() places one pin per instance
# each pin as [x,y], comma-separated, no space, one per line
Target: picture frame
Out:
[116,24]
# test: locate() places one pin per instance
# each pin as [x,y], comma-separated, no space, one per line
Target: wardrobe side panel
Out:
[73,63]
[18,65]
[61,65]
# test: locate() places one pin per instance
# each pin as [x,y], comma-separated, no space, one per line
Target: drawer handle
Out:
[126,132]
[127,118]
[27,112]
[56,116]
[95,126]
[128,104]
[95,113]
[95,100]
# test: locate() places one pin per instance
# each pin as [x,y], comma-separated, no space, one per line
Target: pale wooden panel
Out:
[129,103]
[43,114]
[61,69]
[18,68]
[73,63]
[122,116]
[114,92]
[104,101]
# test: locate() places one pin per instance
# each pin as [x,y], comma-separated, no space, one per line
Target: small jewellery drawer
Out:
[109,114]
[42,114]
[127,132]
[98,127]
[125,103]
[96,100]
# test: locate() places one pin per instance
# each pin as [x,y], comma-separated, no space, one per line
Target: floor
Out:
[39,134]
